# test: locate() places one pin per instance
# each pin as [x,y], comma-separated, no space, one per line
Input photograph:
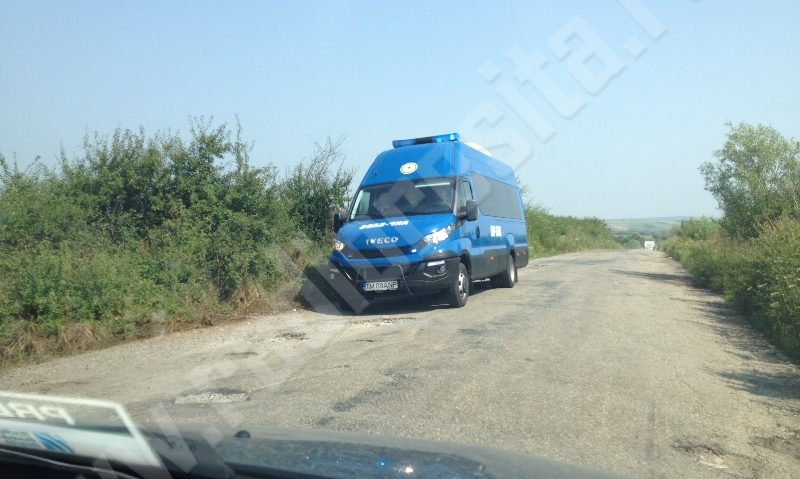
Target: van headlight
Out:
[338,245]
[439,235]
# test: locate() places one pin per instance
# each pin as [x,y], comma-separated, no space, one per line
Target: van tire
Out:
[458,294]
[508,278]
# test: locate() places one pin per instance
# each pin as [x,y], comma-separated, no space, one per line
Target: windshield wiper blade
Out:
[27,460]
[417,212]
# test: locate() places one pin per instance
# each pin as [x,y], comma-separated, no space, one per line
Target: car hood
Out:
[339,454]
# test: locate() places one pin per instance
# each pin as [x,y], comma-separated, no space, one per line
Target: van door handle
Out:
[477,232]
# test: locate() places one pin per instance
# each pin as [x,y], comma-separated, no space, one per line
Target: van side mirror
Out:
[338,221]
[472,210]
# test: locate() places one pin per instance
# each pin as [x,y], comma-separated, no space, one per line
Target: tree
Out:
[755,179]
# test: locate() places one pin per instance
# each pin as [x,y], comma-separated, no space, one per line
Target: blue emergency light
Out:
[426,139]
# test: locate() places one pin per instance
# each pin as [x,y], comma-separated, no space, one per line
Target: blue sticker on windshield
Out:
[53,442]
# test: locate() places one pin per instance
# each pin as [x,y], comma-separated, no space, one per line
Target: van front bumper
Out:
[433,274]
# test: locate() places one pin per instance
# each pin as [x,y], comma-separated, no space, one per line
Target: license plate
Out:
[380,286]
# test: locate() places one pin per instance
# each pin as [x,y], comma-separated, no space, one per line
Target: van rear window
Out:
[497,199]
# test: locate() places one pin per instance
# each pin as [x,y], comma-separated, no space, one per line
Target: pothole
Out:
[714,455]
[710,454]
[788,444]
[324,421]
[211,396]
[242,354]
[292,336]
[472,332]
[693,445]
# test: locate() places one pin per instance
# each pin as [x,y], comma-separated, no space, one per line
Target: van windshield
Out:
[404,198]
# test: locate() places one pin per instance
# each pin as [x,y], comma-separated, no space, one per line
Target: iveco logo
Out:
[386,240]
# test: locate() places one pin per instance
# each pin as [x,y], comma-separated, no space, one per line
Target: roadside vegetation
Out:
[148,234]
[549,234]
[751,254]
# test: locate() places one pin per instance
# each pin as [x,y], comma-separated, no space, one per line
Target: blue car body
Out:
[407,229]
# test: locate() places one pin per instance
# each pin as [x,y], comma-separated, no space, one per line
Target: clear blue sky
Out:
[298,71]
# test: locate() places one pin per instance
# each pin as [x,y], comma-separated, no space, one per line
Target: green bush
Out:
[697,228]
[143,232]
[549,234]
[699,244]
[705,259]
[53,285]
[767,284]
[314,191]
[32,209]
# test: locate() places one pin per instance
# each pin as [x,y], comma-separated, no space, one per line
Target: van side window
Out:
[362,207]
[496,198]
[464,195]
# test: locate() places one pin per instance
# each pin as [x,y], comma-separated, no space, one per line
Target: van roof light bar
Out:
[426,139]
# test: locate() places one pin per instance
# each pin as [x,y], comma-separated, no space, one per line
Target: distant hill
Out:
[644,226]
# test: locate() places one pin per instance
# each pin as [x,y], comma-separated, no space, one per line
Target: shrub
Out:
[767,284]
[144,232]
[32,208]
[549,234]
[313,191]
[55,285]
[697,228]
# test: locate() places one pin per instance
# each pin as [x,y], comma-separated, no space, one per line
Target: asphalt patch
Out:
[242,354]
[213,396]
[397,382]
[294,336]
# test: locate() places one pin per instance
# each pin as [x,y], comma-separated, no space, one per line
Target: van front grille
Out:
[383,273]
[379,253]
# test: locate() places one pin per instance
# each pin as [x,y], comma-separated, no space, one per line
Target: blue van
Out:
[431,214]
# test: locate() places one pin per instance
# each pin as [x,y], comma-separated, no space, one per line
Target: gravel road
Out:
[609,359]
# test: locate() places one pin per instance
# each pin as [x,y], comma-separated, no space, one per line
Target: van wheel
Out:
[458,293]
[508,278]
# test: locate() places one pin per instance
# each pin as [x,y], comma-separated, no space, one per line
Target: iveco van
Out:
[431,214]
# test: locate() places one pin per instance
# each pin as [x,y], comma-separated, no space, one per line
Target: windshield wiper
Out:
[418,212]
[208,464]
[27,461]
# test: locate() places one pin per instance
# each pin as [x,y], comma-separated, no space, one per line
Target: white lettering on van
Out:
[387,240]
[383,223]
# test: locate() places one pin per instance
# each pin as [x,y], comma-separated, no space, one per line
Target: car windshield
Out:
[404,198]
